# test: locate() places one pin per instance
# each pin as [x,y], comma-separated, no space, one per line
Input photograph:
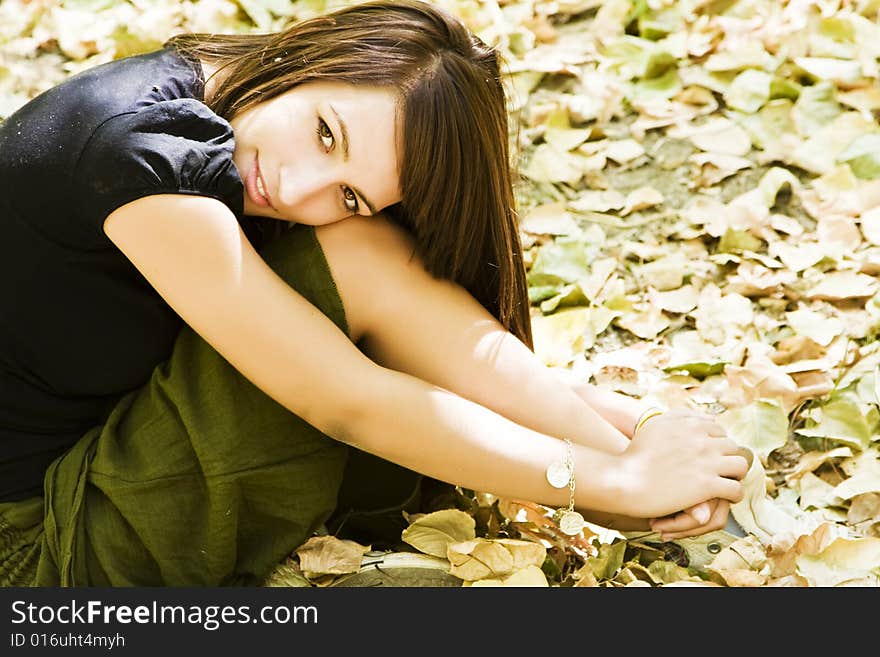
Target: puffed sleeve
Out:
[173,146]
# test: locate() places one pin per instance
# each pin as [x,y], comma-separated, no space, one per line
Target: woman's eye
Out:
[351,202]
[325,135]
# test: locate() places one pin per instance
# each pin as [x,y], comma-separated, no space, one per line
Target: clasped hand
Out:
[685,473]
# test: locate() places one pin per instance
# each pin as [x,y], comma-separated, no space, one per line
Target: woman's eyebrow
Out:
[343,130]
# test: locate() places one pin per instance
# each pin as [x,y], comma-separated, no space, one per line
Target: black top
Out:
[79,325]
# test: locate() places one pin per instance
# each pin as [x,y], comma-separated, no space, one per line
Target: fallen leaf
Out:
[433,533]
[761,425]
[531,576]
[481,558]
[328,555]
[845,562]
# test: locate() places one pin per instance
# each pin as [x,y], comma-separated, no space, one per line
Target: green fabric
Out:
[196,479]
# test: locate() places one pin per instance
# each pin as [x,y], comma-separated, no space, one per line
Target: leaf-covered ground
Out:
[700,202]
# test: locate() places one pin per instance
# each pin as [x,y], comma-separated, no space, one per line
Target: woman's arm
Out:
[436,331]
[193,252]
[620,410]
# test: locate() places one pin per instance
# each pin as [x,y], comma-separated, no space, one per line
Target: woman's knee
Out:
[377,236]
[359,252]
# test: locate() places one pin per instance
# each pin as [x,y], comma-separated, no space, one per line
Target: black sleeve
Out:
[173,146]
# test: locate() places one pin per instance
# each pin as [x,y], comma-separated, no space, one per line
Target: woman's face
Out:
[318,153]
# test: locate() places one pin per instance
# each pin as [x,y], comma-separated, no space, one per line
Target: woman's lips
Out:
[256,186]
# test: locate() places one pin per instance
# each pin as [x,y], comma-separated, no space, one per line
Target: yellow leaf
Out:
[531,576]
[524,553]
[762,425]
[845,562]
[478,559]
[560,337]
[483,558]
[434,532]
[741,578]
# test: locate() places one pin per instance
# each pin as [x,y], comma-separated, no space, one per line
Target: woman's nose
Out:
[299,184]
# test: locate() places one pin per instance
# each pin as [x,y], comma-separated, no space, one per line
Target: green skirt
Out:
[199,478]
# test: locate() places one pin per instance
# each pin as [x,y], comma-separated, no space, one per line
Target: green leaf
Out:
[863,156]
[737,241]
[564,260]
[538,293]
[772,123]
[658,63]
[841,420]
[664,86]
[819,152]
[570,295]
[784,88]
[699,369]
[609,560]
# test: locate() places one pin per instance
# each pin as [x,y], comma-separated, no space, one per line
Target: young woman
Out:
[253,282]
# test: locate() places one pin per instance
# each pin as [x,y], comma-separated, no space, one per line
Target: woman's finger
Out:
[688,519]
[727,489]
[700,512]
[735,466]
[716,430]
[716,522]
[677,522]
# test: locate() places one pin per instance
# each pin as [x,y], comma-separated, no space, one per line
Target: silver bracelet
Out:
[559,475]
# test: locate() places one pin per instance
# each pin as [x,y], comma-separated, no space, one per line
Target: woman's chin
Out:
[254,210]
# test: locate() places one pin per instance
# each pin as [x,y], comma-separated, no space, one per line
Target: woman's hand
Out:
[624,412]
[700,519]
[678,460]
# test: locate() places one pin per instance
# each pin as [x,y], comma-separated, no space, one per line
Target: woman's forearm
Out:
[481,362]
[433,431]
[619,410]
[668,466]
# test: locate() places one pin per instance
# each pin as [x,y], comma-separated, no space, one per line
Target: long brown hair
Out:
[456,182]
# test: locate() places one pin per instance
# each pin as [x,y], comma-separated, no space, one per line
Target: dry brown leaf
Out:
[741,578]
[328,555]
[797,347]
[482,558]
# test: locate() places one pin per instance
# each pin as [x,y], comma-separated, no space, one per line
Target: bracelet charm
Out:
[561,474]
[571,522]
[558,474]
